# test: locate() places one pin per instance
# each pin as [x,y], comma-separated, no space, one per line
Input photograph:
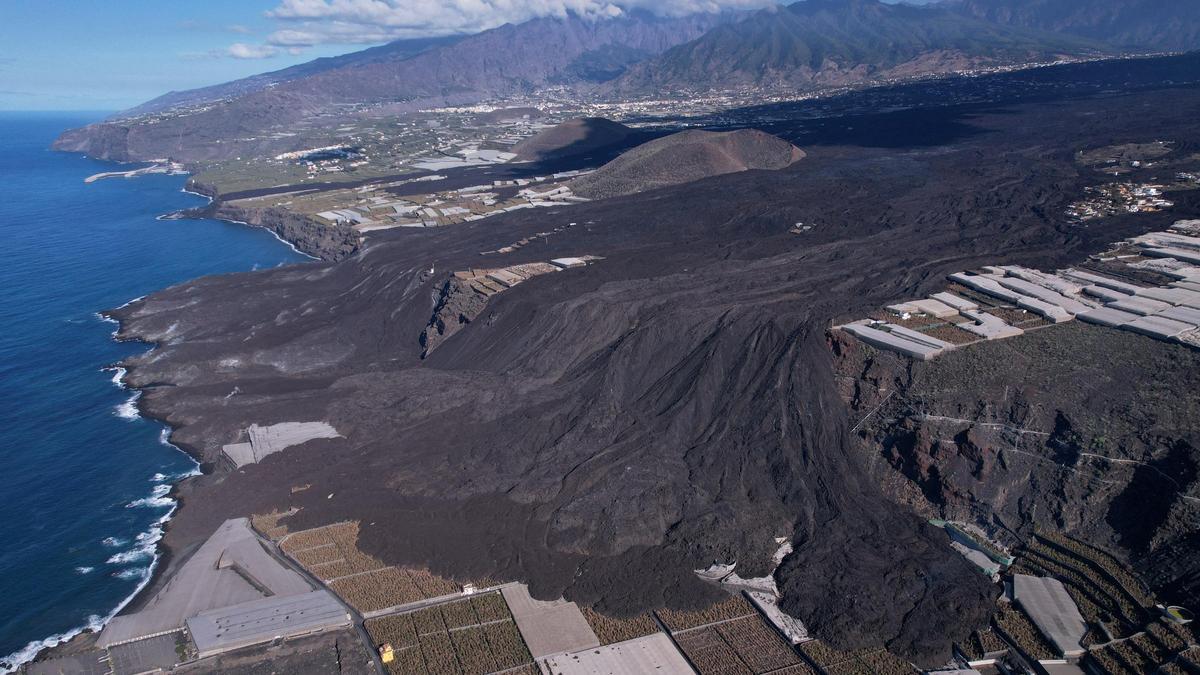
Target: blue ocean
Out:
[83,480]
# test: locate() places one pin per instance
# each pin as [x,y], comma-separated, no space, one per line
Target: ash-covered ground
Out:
[601,432]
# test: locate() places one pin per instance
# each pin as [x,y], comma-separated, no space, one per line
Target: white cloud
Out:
[294,38]
[371,21]
[241,50]
[238,28]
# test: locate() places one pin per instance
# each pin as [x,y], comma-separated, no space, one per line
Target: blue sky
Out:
[112,54]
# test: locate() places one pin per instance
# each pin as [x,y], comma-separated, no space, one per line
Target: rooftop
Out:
[1047,602]
[230,568]
[220,630]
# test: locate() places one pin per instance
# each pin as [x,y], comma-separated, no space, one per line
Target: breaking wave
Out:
[109,319]
[132,555]
[140,297]
[158,498]
[133,573]
[128,410]
[13,661]
[164,437]
[79,612]
[147,548]
[118,377]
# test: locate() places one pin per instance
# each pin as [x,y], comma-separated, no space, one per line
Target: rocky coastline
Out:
[317,240]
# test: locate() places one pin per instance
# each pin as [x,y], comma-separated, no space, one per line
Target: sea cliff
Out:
[326,242]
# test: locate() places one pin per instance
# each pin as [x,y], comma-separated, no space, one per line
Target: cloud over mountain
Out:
[368,21]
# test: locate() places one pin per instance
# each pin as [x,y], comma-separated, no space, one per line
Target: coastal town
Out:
[385,205]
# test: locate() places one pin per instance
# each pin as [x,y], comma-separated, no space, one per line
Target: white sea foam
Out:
[151,502]
[290,245]
[146,548]
[13,661]
[173,478]
[140,297]
[128,410]
[283,241]
[84,570]
[95,623]
[146,543]
[133,573]
[164,437]
[109,319]
[189,192]
[158,499]
[132,555]
[118,377]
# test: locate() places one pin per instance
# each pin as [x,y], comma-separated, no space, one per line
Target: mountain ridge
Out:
[805,46]
[504,61]
[818,43]
[1130,24]
[397,49]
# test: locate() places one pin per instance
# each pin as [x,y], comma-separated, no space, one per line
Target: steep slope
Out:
[1102,404]
[1134,24]
[838,42]
[685,157]
[508,60]
[572,137]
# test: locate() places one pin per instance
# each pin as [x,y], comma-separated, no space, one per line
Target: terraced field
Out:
[331,554]
[733,608]
[470,637]
[611,630]
[860,662]
[730,637]
[1107,593]
[981,643]
[1021,630]
[1163,645]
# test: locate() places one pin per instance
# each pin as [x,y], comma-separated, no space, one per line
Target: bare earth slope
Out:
[685,157]
[1107,426]
[603,431]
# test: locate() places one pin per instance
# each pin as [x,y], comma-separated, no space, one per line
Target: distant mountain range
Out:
[1169,25]
[811,44]
[511,59]
[837,42]
[391,52]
